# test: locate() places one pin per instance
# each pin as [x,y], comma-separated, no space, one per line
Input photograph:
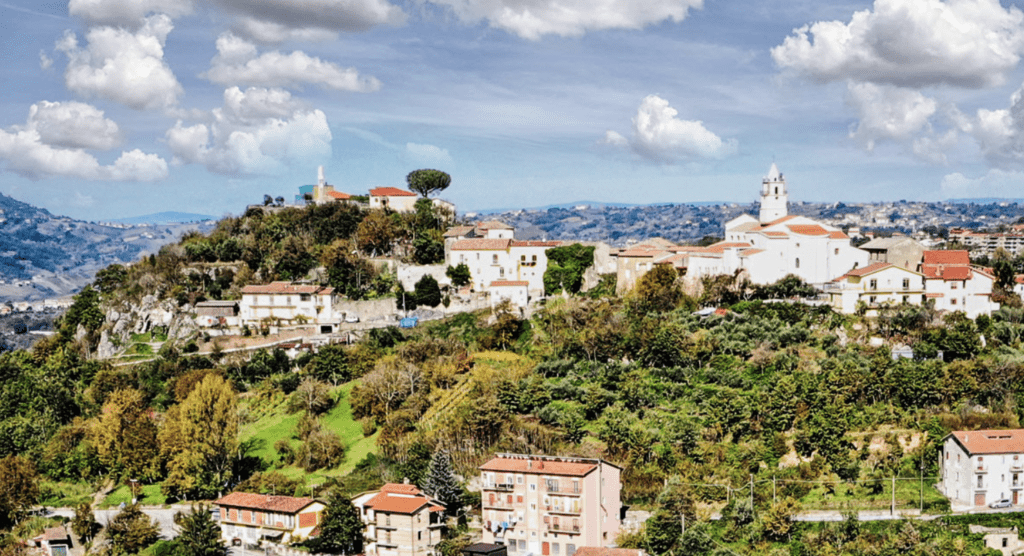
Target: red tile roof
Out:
[776,234]
[400,499]
[283,504]
[481,245]
[1019,278]
[991,441]
[808,230]
[458,231]
[493,225]
[930,295]
[54,534]
[838,235]
[509,283]
[401,488]
[288,287]
[949,273]
[875,267]
[536,243]
[540,466]
[721,246]
[749,252]
[947,257]
[391,192]
[781,220]
[339,195]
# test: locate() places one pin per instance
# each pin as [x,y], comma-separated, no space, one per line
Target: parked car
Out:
[349,317]
[1004,503]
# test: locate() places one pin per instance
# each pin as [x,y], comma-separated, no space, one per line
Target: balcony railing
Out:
[562,528]
[499,504]
[506,487]
[563,510]
[1017,465]
[560,489]
[981,467]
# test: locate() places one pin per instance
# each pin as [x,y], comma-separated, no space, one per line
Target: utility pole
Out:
[774,499]
[684,522]
[893,507]
[922,483]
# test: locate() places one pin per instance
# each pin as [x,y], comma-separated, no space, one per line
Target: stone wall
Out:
[408,275]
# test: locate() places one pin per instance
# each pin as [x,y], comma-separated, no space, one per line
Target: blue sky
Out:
[116,108]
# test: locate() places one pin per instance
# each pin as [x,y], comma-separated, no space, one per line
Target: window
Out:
[798,262]
[501,272]
[535,259]
[953,285]
[494,259]
[952,302]
[304,297]
[519,479]
[837,250]
[512,546]
[873,284]
[419,535]
[906,283]
[556,548]
[873,299]
[979,481]
[570,549]
[387,519]
[522,544]
[533,487]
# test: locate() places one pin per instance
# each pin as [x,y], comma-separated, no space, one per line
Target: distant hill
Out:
[166,218]
[984,201]
[44,256]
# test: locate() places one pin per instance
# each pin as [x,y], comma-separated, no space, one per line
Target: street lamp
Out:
[133,484]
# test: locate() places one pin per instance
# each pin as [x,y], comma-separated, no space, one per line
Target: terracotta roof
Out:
[284,504]
[398,503]
[540,466]
[458,231]
[1019,279]
[536,243]
[640,251]
[991,441]
[288,287]
[808,230]
[781,220]
[390,192]
[493,225]
[674,260]
[54,534]
[749,252]
[838,235]
[863,271]
[947,257]
[599,551]
[339,195]
[776,234]
[949,273]
[685,249]
[509,283]
[746,227]
[401,488]
[723,245]
[481,244]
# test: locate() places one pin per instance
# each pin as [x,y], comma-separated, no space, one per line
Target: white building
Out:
[515,291]
[874,285]
[954,285]
[393,198]
[400,520]
[980,467]
[289,303]
[774,197]
[492,255]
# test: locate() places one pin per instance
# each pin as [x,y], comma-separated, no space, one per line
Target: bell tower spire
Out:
[774,196]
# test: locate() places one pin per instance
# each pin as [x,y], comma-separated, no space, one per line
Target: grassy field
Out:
[846,496]
[62,494]
[272,423]
[149,495]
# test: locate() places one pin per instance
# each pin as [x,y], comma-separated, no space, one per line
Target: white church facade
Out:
[777,244]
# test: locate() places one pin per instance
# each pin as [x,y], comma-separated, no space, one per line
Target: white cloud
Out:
[995,183]
[258,131]
[45,62]
[1000,133]
[659,135]
[278,20]
[237,63]
[126,13]
[123,66]
[73,125]
[888,112]
[427,154]
[532,19]
[52,143]
[911,43]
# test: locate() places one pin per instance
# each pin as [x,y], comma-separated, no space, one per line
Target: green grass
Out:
[273,423]
[149,495]
[63,494]
[908,495]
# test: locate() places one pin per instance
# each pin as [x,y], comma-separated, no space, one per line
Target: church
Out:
[776,244]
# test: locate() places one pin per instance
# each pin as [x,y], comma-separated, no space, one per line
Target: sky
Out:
[118,108]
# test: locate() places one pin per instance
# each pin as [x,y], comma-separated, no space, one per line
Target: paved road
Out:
[163,516]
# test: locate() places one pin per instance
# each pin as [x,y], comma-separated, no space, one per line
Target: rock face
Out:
[128,319]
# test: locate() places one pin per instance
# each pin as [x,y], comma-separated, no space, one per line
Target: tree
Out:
[199,441]
[131,531]
[566,266]
[198,533]
[279,201]
[440,482]
[84,524]
[427,250]
[658,290]
[459,275]
[777,522]
[311,396]
[341,529]
[267,200]
[428,293]
[426,182]
[376,233]
[663,530]
[19,488]
[125,435]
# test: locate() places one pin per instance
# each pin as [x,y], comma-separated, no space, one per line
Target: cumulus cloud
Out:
[888,112]
[995,183]
[53,143]
[568,18]
[999,133]
[427,154]
[121,13]
[237,63]
[278,20]
[123,66]
[45,62]
[658,134]
[911,43]
[257,131]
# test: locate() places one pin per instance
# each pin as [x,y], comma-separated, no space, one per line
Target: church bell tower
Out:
[774,197]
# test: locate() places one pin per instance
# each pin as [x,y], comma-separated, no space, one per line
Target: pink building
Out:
[549,505]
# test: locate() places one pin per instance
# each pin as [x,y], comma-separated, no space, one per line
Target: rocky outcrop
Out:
[129,318]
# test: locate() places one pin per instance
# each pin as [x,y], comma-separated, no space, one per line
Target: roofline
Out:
[559,459]
[970,453]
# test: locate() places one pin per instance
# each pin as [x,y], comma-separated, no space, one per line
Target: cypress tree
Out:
[440,483]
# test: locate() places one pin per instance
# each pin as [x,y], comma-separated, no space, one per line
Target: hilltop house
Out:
[549,505]
[321,192]
[400,521]
[980,467]
[874,285]
[495,258]
[954,285]
[393,198]
[289,303]
[898,250]
[251,518]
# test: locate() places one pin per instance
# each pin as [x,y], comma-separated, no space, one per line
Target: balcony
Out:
[567,489]
[981,467]
[498,504]
[1017,465]
[561,528]
[563,510]
[504,487]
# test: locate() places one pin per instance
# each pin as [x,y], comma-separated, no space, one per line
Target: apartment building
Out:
[874,285]
[400,521]
[954,285]
[980,467]
[250,518]
[289,303]
[985,243]
[548,505]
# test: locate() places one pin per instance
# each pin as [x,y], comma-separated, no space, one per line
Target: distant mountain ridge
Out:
[45,256]
[170,217]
